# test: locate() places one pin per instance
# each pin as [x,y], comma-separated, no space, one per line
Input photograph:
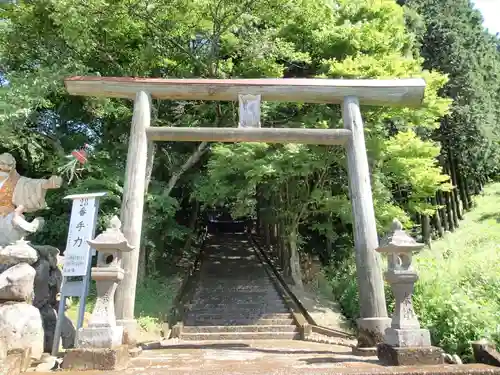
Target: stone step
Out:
[225,278]
[240,328]
[262,281]
[237,310]
[244,299]
[232,291]
[233,256]
[238,299]
[250,315]
[238,304]
[241,336]
[247,289]
[195,321]
[238,296]
[242,276]
[235,299]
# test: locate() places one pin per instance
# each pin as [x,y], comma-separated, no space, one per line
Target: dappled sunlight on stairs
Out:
[235,298]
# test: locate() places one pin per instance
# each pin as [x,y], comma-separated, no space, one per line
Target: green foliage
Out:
[304,181]
[456,300]
[411,164]
[453,41]
[304,188]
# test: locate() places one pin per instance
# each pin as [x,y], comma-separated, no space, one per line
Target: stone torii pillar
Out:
[373,319]
[132,213]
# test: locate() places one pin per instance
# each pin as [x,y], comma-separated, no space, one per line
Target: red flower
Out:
[80,155]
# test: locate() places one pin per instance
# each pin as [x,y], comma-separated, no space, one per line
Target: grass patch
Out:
[153,302]
[457,297]
[458,294]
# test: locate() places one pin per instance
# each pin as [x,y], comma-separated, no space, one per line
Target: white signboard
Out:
[249,111]
[81,229]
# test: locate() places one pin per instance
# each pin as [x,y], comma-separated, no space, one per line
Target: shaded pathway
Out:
[235,297]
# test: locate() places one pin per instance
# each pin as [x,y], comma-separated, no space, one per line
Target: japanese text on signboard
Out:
[81,229]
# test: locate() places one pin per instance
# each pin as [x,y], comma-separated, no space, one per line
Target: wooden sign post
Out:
[77,257]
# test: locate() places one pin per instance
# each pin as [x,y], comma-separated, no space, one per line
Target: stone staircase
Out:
[235,299]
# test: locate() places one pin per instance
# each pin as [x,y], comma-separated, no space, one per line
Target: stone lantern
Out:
[102,331]
[405,343]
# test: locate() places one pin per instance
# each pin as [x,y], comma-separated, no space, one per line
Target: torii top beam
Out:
[393,92]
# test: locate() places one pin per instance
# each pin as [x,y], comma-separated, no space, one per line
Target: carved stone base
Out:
[392,356]
[405,338]
[100,337]
[96,359]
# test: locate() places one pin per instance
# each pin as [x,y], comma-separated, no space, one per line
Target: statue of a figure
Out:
[18,195]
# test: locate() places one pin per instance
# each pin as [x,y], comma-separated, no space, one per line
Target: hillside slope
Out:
[458,294]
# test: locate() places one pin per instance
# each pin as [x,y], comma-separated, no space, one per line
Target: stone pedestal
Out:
[100,337]
[102,331]
[407,356]
[407,337]
[405,343]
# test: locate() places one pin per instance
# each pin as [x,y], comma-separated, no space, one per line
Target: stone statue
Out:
[18,195]
[22,265]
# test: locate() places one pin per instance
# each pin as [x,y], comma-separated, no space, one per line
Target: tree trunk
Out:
[258,209]
[329,245]
[267,235]
[426,230]
[462,191]
[468,192]
[282,251]
[295,269]
[477,187]
[192,160]
[437,220]
[192,225]
[452,197]
[455,208]
[449,211]
[481,183]
[454,180]
[442,211]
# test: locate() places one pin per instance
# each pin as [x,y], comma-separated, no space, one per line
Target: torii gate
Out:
[348,93]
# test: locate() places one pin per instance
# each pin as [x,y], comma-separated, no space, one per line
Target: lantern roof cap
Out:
[398,241]
[112,239]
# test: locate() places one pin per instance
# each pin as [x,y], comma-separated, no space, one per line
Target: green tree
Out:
[453,41]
